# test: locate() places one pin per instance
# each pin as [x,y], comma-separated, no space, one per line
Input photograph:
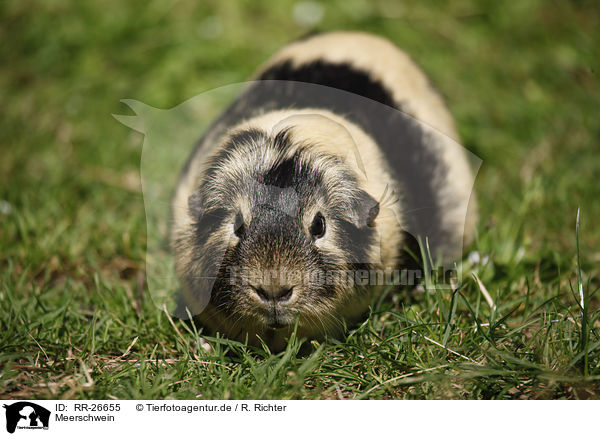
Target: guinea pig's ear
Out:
[195,204]
[364,210]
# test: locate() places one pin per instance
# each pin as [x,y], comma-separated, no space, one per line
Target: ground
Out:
[521,79]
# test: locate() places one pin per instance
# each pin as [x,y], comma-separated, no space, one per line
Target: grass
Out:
[76,320]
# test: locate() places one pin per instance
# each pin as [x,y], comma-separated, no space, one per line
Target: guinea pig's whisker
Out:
[417,209]
[336,322]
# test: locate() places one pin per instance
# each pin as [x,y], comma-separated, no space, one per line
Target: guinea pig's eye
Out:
[317,228]
[238,226]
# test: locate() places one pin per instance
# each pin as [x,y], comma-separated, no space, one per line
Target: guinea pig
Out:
[335,159]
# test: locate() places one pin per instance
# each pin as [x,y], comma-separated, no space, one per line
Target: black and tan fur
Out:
[281,154]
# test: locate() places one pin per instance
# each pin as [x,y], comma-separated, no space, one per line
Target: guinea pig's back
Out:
[366,65]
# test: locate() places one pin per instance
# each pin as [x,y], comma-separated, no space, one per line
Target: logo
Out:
[26,415]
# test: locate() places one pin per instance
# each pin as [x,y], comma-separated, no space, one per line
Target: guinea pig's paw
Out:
[205,345]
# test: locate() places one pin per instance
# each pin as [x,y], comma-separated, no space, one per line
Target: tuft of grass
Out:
[76,320]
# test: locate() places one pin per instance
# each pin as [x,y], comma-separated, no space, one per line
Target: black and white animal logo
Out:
[26,415]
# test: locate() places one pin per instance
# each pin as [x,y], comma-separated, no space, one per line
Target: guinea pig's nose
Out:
[271,293]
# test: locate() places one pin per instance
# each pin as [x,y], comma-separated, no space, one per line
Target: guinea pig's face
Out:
[275,267]
[288,224]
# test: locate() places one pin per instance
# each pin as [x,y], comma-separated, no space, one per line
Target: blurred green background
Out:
[520,77]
